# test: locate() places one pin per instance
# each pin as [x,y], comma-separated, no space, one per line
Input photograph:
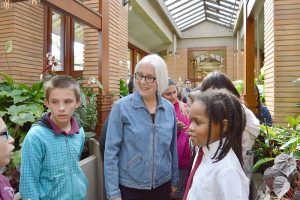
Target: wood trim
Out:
[132,46]
[103,52]
[248,97]
[47,37]
[204,49]
[77,11]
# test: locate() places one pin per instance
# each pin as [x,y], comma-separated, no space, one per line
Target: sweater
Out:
[6,191]
[183,149]
[50,164]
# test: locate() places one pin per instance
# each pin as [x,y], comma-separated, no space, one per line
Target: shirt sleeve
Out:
[173,150]
[113,142]
[233,185]
[31,162]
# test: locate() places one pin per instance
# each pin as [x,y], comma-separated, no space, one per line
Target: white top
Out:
[223,180]
[248,139]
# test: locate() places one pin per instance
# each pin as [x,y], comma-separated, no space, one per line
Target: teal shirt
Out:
[50,165]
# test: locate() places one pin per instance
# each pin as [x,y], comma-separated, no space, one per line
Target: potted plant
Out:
[282,179]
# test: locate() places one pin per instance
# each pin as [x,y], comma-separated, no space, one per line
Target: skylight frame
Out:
[188,13]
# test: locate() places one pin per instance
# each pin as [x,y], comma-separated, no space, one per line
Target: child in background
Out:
[6,147]
[52,147]
[217,126]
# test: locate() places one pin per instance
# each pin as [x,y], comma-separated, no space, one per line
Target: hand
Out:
[188,132]
[119,198]
[173,190]
[180,126]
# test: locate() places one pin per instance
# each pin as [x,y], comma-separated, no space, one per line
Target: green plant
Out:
[282,179]
[272,141]
[124,91]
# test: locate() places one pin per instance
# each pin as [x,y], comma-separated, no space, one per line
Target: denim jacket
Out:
[138,153]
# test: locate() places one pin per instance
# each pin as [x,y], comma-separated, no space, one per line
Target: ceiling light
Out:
[34,2]
[6,4]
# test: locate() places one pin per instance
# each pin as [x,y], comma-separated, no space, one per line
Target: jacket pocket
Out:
[163,168]
[53,189]
[138,170]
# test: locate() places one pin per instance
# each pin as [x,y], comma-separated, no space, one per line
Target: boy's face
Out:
[200,124]
[62,103]
[6,145]
[188,85]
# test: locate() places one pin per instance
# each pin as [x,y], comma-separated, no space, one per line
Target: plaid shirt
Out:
[50,168]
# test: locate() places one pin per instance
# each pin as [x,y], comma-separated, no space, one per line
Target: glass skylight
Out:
[188,13]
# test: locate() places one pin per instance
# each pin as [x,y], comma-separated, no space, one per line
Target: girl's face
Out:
[178,85]
[170,94]
[6,145]
[200,124]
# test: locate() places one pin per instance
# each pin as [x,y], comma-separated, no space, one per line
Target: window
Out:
[205,60]
[64,38]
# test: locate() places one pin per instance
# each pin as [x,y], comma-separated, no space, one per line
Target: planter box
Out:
[92,168]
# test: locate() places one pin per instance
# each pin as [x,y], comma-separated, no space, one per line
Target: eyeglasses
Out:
[140,77]
[4,133]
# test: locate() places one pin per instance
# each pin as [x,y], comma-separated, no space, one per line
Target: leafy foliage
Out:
[272,141]
[282,179]
[124,91]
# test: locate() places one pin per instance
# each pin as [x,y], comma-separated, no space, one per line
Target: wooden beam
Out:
[77,11]
[104,103]
[248,97]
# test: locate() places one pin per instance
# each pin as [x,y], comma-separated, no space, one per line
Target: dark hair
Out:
[187,80]
[218,80]
[221,104]
[131,85]
[258,114]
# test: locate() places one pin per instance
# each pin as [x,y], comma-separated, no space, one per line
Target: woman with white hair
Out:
[140,160]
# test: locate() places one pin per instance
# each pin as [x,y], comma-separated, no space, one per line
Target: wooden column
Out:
[248,97]
[104,103]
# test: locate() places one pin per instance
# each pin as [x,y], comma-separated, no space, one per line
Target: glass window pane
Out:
[78,47]
[57,39]
[129,53]
[203,62]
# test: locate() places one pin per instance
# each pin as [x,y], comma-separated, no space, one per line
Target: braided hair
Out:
[221,104]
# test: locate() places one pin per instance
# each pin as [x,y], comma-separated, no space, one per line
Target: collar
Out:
[212,148]
[57,130]
[138,101]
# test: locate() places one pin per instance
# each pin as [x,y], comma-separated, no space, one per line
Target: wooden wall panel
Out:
[23,24]
[282,58]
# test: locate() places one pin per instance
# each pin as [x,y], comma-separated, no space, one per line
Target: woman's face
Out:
[170,94]
[147,90]
[178,85]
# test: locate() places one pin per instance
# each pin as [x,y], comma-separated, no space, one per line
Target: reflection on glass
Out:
[78,47]
[57,39]
[129,52]
[203,62]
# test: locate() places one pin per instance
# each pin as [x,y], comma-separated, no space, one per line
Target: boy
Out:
[52,147]
[6,147]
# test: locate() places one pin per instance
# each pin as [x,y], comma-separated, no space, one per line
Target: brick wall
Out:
[23,24]
[118,45]
[282,58]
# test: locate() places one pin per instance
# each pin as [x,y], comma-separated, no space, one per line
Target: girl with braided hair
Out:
[216,127]
[251,123]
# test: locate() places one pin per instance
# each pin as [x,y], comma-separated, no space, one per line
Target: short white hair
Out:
[161,71]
